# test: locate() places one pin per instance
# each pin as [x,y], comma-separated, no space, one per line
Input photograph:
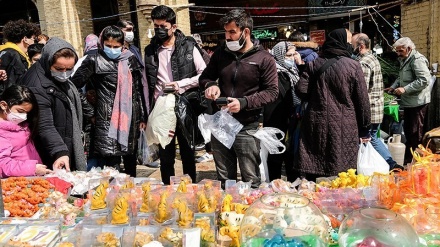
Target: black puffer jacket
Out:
[102,73]
[15,65]
[182,61]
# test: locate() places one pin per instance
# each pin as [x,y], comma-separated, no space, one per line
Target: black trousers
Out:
[414,118]
[130,163]
[167,157]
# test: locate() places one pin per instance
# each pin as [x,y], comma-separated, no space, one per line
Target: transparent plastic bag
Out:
[206,133]
[223,127]
[147,154]
[369,161]
[270,143]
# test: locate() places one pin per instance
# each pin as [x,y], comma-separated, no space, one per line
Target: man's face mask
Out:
[356,53]
[237,44]
[129,36]
[161,34]
[61,76]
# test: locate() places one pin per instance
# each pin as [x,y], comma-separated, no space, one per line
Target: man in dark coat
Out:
[59,140]
[338,112]
[247,76]
[13,54]
[172,60]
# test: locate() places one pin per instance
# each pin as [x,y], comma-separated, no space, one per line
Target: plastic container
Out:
[397,148]
[376,227]
[282,214]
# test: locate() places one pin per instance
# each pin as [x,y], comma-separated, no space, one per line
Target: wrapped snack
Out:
[184,212]
[108,239]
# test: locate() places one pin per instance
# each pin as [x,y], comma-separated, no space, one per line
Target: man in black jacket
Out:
[247,76]
[13,54]
[172,60]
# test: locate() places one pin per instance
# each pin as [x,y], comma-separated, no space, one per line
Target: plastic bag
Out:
[269,143]
[147,154]
[206,133]
[223,127]
[162,121]
[369,161]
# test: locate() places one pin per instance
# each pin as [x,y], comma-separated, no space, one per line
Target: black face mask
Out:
[349,48]
[356,51]
[161,34]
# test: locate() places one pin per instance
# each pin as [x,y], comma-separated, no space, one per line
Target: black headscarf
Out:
[336,44]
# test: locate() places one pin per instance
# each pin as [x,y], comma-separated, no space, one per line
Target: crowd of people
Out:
[62,110]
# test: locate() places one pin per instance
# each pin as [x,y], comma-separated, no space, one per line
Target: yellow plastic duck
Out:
[203,203]
[227,202]
[119,213]
[207,233]
[146,188]
[233,232]
[98,198]
[186,215]
[162,213]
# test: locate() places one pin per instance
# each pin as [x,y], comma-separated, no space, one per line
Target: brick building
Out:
[72,19]
[421,23]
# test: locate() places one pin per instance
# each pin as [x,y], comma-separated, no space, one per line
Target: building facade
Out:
[73,20]
[421,23]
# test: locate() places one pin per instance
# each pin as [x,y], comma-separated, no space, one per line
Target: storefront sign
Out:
[321,4]
[318,36]
[265,34]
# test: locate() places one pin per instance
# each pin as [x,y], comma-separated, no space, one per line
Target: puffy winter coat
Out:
[18,156]
[102,73]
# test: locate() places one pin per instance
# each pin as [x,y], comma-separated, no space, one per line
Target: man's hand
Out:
[41,170]
[61,162]
[212,92]
[399,91]
[298,59]
[234,105]
[3,75]
[173,84]
[389,90]
[142,126]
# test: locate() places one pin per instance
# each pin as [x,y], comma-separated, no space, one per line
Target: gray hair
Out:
[362,38]
[405,42]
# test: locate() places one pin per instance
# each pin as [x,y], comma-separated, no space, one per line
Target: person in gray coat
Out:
[412,87]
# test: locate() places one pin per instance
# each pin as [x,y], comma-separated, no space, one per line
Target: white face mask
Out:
[129,36]
[61,76]
[16,117]
[235,45]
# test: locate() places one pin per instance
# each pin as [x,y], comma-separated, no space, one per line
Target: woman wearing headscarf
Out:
[279,113]
[338,112]
[58,140]
[116,77]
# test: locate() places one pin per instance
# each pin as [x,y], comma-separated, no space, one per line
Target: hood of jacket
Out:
[50,48]
[10,126]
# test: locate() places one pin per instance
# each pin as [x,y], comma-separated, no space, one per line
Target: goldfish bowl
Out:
[284,219]
[376,227]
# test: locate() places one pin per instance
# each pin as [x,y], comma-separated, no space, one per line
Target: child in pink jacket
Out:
[18,121]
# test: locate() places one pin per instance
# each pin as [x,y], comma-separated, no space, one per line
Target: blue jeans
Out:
[246,149]
[380,147]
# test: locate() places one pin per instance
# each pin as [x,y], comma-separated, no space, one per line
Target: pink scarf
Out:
[123,104]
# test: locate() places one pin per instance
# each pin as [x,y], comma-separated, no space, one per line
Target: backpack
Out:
[431,140]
